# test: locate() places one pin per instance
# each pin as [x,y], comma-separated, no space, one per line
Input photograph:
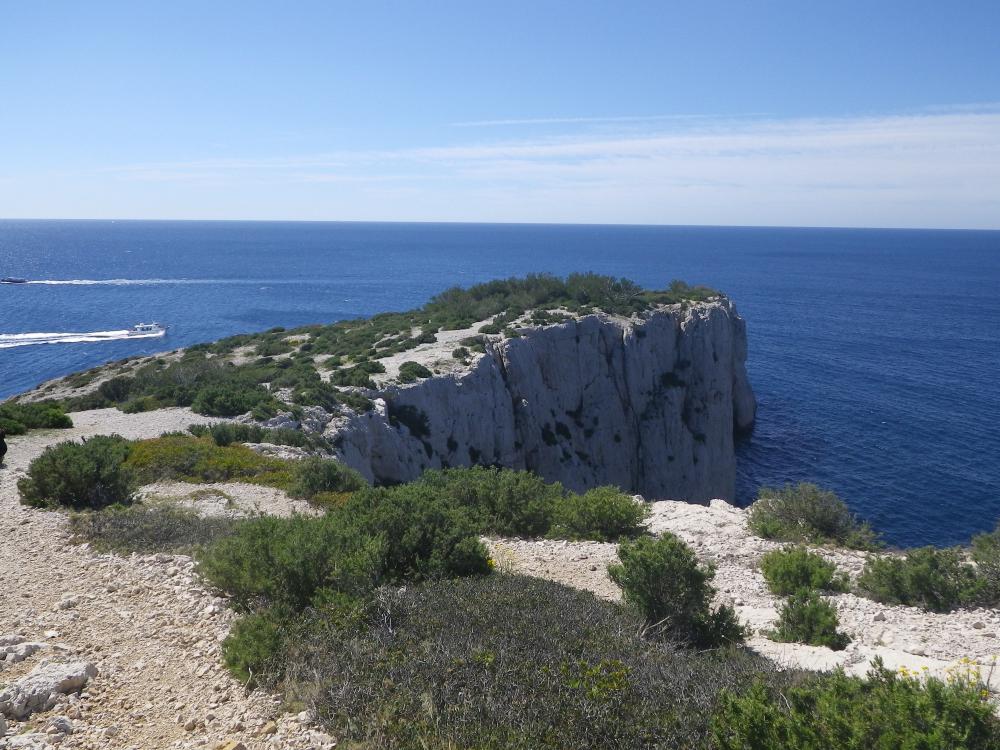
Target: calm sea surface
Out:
[875,354]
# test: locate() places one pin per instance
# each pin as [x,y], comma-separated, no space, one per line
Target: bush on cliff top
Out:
[376,536]
[938,580]
[17,419]
[91,474]
[789,570]
[806,618]
[986,554]
[807,513]
[663,580]
[504,661]
[884,710]
[518,503]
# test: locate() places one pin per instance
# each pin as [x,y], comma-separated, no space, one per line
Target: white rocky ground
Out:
[140,634]
[104,651]
[901,636]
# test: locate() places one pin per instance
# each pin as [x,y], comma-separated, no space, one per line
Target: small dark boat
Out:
[12,280]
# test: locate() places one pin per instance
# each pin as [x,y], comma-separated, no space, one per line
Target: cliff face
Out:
[650,405]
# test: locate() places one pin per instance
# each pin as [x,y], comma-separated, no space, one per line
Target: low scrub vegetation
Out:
[807,618]
[934,579]
[505,662]
[663,580]
[190,459]
[149,528]
[411,372]
[17,419]
[204,378]
[91,474]
[376,537]
[602,514]
[885,710]
[105,471]
[986,554]
[227,433]
[518,503]
[789,570]
[807,513]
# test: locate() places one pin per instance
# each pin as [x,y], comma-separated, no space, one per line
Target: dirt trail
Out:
[145,622]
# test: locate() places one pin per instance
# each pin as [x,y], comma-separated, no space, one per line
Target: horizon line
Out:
[502,223]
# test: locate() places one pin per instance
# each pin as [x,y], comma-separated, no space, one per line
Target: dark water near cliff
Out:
[874,353]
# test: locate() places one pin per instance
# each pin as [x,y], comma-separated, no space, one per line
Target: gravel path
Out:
[145,622]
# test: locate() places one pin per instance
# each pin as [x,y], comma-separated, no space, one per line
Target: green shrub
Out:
[377,536]
[425,534]
[273,347]
[934,579]
[507,662]
[806,513]
[602,514]
[226,433]
[663,580]
[256,644]
[312,476]
[789,570]
[886,710]
[91,474]
[461,353]
[806,618]
[505,502]
[410,372]
[230,399]
[149,528]
[191,459]
[16,419]
[986,553]
[286,562]
[140,405]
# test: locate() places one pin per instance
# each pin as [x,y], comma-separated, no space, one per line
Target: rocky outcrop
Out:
[38,690]
[649,404]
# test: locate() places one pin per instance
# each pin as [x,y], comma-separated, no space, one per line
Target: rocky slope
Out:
[647,403]
[902,637]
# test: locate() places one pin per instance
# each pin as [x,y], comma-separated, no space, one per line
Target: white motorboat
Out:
[147,329]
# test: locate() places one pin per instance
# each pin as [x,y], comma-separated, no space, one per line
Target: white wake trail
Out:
[10,340]
[116,282]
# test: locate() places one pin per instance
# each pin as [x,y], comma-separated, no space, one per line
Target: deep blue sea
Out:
[875,354]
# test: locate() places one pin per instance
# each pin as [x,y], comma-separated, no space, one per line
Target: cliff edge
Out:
[648,403]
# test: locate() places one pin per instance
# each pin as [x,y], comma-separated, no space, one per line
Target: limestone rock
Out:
[648,404]
[30,741]
[14,649]
[38,690]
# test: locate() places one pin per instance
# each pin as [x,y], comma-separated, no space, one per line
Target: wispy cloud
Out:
[921,169]
[577,120]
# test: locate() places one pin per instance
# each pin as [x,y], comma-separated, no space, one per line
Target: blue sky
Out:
[767,113]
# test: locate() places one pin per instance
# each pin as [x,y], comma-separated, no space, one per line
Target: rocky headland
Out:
[650,404]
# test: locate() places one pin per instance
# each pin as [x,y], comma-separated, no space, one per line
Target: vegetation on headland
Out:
[17,419]
[937,580]
[807,513]
[106,470]
[325,365]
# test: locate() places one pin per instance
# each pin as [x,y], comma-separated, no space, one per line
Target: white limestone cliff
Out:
[650,404]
